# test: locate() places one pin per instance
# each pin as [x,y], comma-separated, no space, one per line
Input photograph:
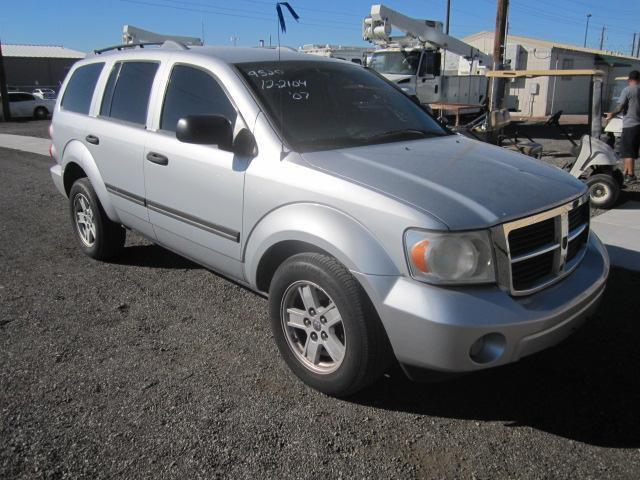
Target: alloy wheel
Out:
[313,327]
[84,219]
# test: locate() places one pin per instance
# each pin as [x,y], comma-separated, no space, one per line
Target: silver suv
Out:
[376,234]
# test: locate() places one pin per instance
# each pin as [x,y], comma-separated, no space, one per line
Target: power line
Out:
[235,10]
[532,11]
[598,5]
[577,13]
[237,15]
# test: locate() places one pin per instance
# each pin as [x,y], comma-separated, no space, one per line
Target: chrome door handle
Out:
[154,157]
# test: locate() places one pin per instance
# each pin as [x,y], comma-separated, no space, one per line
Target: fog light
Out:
[487,348]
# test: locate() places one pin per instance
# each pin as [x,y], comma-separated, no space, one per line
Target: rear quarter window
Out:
[79,91]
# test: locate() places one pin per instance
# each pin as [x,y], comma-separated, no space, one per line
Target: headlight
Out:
[450,258]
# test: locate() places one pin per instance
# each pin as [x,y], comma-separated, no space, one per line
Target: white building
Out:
[37,66]
[542,96]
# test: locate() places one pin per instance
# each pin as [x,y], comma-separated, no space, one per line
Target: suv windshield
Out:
[396,63]
[320,105]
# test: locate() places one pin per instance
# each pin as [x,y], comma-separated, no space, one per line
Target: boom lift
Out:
[415,61]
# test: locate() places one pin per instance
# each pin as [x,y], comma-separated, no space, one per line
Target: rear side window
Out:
[126,96]
[79,91]
[192,91]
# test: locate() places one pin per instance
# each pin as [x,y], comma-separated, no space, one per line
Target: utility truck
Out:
[416,60]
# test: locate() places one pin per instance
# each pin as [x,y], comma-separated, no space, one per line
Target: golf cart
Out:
[595,162]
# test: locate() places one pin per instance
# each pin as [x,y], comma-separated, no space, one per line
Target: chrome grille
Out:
[534,252]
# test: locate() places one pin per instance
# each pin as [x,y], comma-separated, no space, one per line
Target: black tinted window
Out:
[105,106]
[77,96]
[127,93]
[20,97]
[192,91]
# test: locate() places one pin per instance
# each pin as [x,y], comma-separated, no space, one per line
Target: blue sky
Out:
[87,24]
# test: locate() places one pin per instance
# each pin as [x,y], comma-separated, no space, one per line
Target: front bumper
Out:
[435,328]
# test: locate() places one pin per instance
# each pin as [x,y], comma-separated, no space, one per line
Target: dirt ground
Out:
[153,367]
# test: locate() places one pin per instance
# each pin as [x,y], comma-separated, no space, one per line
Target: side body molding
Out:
[324,227]
[77,152]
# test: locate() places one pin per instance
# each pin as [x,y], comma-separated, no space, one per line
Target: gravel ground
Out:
[152,367]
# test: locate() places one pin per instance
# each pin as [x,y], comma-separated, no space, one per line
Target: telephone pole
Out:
[586,30]
[446,28]
[497,85]
[6,113]
[604,29]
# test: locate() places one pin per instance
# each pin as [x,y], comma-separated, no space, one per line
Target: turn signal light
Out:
[419,255]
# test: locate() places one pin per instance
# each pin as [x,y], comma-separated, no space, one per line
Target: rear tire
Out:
[40,113]
[337,354]
[97,235]
[603,190]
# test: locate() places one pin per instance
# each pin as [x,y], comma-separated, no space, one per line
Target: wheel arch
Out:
[275,255]
[303,227]
[77,160]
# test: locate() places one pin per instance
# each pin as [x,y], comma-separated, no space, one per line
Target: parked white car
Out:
[24,104]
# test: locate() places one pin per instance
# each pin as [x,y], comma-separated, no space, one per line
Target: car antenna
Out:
[282,26]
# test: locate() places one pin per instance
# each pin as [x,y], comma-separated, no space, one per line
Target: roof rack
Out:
[168,44]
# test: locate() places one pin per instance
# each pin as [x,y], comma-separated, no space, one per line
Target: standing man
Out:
[629,105]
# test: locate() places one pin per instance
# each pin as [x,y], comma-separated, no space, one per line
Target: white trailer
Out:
[131,34]
[344,52]
[415,61]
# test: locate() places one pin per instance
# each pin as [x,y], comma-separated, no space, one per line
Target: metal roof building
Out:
[546,95]
[35,66]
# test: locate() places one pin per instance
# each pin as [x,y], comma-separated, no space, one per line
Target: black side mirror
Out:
[245,144]
[206,130]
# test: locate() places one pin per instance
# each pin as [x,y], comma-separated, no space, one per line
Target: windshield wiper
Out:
[342,142]
[407,133]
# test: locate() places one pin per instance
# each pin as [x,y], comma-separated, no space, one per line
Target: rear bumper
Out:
[56,175]
[435,328]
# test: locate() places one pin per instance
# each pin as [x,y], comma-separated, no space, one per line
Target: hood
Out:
[464,183]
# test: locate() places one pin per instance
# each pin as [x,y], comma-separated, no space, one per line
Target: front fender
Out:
[324,227]
[77,152]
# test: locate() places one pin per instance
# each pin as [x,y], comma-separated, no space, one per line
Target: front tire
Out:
[325,327]
[603,190]
[98,236]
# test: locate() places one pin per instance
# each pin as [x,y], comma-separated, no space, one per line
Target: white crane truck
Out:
[415,61]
